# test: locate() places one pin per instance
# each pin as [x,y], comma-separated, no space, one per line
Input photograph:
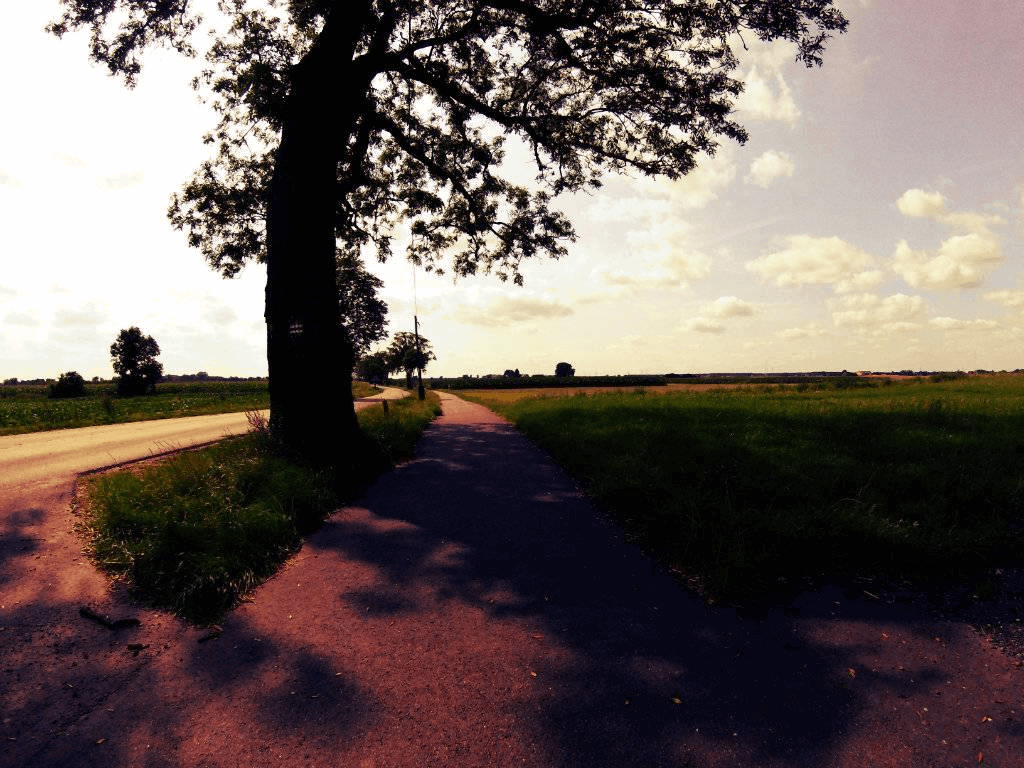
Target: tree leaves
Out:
[435,86]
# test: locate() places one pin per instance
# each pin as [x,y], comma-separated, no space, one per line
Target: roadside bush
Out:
[70,384]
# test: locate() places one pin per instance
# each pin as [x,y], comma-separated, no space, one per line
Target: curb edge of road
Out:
[150,457]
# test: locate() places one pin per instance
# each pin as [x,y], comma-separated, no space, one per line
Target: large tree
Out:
[339,119]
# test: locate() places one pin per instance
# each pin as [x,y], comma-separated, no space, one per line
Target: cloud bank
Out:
[970,253]
[811,260]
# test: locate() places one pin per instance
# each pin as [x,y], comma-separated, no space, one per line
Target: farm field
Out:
[744,491]
[26,407]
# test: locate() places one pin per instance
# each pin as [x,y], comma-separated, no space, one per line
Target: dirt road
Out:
[36,465]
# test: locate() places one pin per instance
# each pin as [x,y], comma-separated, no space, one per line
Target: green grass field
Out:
[743,491]
[26,408]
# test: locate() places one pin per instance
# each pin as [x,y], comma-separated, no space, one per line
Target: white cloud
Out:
[920,204]
[1020,208]
[658,240]
[660,256]
[121,180]
[72,161]
[685,266]
[703,325]
[214,311]
[766,95]
[862,281]
[759,101]
[26,319]
[7,180]
[768,167]
[654,200]
[865,309]
[1012,299]
[729,306]
[704,183]
[811,260]
[916,203]
[809,331]
[953,324]
[973,223]
[505,309]
[898,327]
[89,314]
[962,261]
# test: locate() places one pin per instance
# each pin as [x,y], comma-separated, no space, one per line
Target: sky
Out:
[873,221]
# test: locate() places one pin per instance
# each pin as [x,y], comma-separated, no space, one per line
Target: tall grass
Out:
[743,490]
[195,533]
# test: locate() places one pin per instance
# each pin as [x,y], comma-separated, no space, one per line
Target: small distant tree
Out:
[564,369]
[70,384]
[373,367]
[510,374]
[134,359]
[404,356]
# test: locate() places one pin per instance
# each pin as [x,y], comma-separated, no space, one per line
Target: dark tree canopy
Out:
[363,316]
[70,384]
[134,360]
[343,122]
[564,369]
[374,367]
[590,86]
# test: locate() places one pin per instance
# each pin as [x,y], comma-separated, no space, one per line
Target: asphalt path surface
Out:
[474,610]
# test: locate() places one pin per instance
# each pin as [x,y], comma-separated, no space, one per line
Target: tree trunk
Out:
[309,358]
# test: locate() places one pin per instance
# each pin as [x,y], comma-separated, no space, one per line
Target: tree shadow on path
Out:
[638,672]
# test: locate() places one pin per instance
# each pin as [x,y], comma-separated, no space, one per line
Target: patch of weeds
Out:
[196,532]
[396,431]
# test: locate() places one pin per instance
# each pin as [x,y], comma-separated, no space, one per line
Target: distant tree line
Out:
[404,354]
[524,381]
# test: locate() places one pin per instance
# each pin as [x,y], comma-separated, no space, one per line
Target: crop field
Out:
[746,490]
[26,407]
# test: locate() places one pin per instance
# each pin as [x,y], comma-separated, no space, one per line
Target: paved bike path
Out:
[472,610]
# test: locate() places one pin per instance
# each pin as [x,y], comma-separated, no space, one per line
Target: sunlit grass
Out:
[742,490]
[196,532]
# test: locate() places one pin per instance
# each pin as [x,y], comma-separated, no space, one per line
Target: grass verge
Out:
[746,491]
[196,532]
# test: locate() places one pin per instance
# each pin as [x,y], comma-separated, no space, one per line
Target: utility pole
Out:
[419,358]
[416,326]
